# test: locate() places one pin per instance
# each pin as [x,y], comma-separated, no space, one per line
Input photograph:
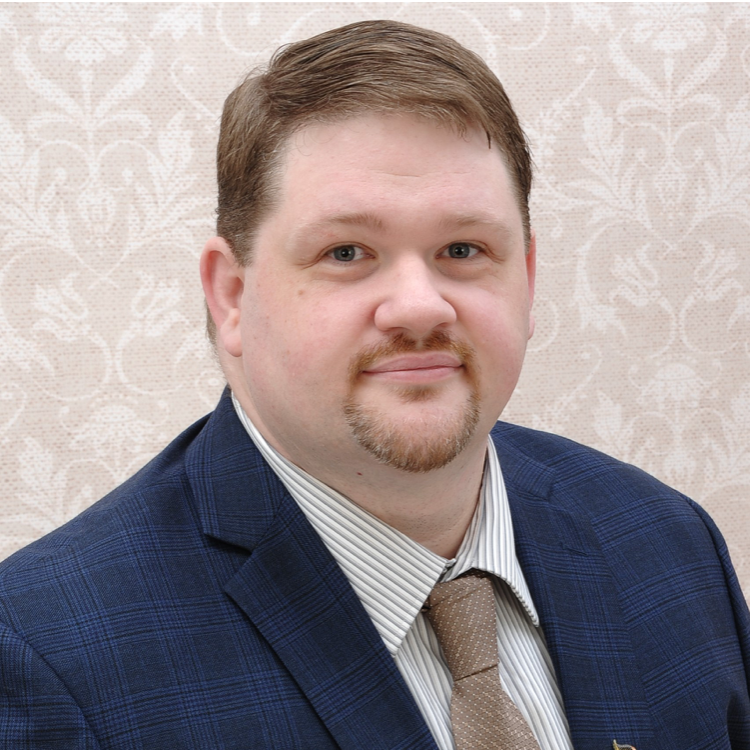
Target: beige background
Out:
[639,117]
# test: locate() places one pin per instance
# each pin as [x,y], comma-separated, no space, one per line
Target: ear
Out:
[223,283]
[531,277]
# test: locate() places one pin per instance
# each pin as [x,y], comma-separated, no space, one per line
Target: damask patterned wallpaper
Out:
[639,117]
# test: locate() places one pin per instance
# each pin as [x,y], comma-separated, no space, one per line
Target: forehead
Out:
[394,163]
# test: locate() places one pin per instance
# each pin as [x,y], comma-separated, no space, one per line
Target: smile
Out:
[428,367]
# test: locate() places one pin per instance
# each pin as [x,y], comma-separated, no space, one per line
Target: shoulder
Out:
[617,499]
[571,466]
[623,505]
[112,533]
[554,451]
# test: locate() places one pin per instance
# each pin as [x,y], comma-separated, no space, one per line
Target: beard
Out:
[435,440]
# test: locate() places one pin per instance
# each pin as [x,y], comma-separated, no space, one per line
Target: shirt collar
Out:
[489,543]
[392,574]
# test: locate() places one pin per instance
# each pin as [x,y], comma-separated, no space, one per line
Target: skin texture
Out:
[380,329]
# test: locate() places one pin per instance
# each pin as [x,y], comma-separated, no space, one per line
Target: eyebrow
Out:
[374,222]
[355,219]
[460,221]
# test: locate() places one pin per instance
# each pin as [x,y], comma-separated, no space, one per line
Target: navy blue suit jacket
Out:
[195,607]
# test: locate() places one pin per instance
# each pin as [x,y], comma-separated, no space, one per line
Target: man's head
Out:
[373,278]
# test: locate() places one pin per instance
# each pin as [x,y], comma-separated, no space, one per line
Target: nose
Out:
[413,301]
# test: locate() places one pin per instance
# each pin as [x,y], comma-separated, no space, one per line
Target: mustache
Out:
[403,344]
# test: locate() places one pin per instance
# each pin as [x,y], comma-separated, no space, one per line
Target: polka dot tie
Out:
[462,614]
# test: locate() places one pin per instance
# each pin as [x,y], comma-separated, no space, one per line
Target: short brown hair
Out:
[370,66]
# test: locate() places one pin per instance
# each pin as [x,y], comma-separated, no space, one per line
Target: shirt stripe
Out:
[393,575]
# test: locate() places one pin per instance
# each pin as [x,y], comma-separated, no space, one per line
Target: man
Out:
[284,574]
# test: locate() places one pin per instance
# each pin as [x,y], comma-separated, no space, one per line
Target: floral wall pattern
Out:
[639,118]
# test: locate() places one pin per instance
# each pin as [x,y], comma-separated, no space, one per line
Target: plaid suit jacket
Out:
[195,607]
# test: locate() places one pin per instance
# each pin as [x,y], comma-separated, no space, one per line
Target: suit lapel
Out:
[298,598]
[575,595]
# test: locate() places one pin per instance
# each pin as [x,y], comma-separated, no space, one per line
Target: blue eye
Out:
[461,250]
[346,253]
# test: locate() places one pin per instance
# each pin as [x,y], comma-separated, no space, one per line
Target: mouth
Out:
[402,361]
[416,367]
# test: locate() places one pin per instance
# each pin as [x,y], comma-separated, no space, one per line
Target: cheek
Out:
[501,335]
[298,339]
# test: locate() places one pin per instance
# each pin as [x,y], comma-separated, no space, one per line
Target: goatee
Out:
[422,447]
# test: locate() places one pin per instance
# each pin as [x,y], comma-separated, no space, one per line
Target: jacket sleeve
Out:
[36,710]
[738,723]
[739,603]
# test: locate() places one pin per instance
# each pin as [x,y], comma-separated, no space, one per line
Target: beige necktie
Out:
[462,614]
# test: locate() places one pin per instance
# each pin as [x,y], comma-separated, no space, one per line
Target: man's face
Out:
[386,311]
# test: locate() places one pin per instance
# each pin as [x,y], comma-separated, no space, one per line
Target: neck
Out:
[434,509]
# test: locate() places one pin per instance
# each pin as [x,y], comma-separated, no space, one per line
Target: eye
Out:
[347,253]
[461,250]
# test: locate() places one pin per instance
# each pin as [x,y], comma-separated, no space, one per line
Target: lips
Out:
[417,361]
[402,361]
[416,369]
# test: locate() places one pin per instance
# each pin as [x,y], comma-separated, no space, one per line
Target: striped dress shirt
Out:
[393,575]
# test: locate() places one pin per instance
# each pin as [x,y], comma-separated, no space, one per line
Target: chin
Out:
[417,443]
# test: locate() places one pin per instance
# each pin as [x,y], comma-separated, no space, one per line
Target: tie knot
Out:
[462,614]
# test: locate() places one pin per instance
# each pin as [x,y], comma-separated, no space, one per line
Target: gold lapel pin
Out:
[617,746]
